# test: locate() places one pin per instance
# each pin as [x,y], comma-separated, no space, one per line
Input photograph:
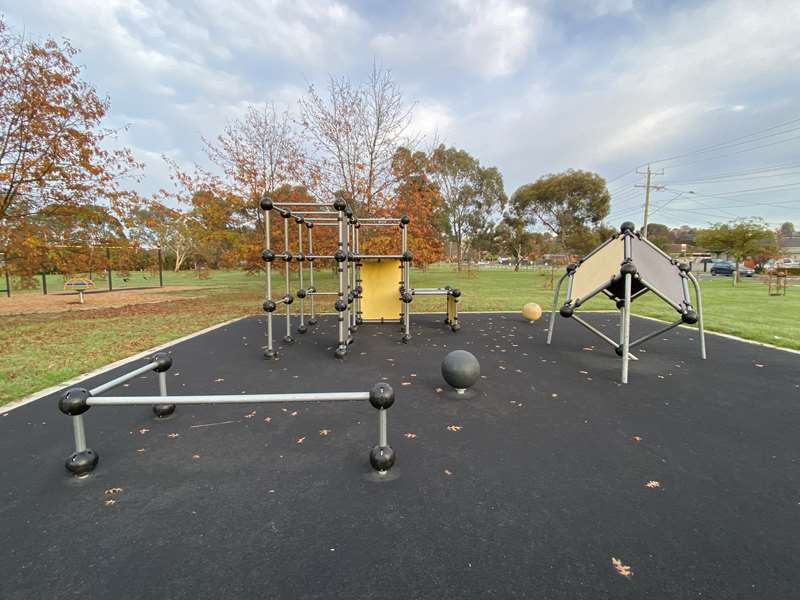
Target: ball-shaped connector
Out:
[340,305]
[684,267]
[312,322]
[406,338]
[689,317]
[455,292]
[288,298]
[628,268]
[566,311]
[270,354]
[301,293]
[358,290]
[407,256]
[300,257]
[627,227]
[359,321]
[350,297]
[163,410]
[620,304]
[310,258]
[163,362]
[339,204]
[287,339]
[73,402]
[404,220]
[381,458]
[309,224]
[83,462]
[407,297]
[269,306]
[340,352]
[302,329]
[381,395]
[287,256]
[618,350]
[266,202]
[348,212]
[299,220]
[571,267]
[461,370]
[286,214]
[267,255]
[351,256]
[340,255]
[454,327]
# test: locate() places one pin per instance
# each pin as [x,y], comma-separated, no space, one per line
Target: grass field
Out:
[45,349]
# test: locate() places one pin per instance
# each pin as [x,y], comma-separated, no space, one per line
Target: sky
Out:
[529,87]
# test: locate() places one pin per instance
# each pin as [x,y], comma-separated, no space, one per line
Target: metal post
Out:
[79,432]
[287,276]
[108,269]
[270,352]
[555,307]
[406,278]
[313,319]
[700,327]
[302,327]
[626,324]
[160,269]
[342,349]
[383,437]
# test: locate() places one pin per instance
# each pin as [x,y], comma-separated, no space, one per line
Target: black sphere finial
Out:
[381,396]
[339,204]
[627,226]
[73,401]
[163,362]
[461,370]
[266,202]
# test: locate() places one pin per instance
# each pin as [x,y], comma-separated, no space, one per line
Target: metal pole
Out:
[383,437]
[701,328]
[555,307]
[267,237]
[626,336]
[301,328]
[656,333]
[123,379]
[162,383]
[79,432]
[342,341]
[286,276]
[230,399]
[313,318]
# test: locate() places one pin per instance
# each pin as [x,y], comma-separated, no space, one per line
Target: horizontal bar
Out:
[226,399]
[650,336]
[379,219]
[318,204]
[322,293]
[430,292]
[122,379]
[302,213]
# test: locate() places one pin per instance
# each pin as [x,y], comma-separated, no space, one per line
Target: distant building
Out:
[790,246]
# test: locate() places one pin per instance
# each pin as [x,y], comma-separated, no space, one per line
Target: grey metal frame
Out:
[625,344]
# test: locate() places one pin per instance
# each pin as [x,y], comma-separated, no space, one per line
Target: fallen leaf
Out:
[637,438]
[112,491]
[447,472]
[454,428]
[439,390]
[195,456]
[140,450]
[652,484]
[110,502]
[301,440]
[143,430]
[267,419]
[219,380]
[173,435]
[620,568]
[250,415]
[295,413]
[410,435]
[324,432]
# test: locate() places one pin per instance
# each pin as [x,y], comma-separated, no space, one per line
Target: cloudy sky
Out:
[529,87]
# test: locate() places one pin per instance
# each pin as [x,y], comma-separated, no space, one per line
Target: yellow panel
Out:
[598,269]
[380,281]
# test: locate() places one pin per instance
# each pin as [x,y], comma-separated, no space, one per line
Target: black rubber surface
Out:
[538,485]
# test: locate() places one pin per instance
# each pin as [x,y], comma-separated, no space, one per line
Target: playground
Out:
[547,478]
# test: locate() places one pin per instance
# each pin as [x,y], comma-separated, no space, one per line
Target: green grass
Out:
[45,349]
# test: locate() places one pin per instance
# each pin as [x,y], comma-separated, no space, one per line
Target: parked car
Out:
[727,268]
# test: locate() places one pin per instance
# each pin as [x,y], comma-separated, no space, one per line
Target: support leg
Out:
[556,294]
[626,327]
[163,410]
[84,459]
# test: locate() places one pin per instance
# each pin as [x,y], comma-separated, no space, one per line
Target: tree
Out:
[741,239]
[355,131]
[659,235]
[568,204]
[53,154]
[470,193]
[163,227]
[787,229]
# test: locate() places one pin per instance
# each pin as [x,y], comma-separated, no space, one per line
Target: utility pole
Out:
[648,173]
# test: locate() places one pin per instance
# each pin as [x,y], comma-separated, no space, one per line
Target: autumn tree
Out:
[355,131]
[659,235]
[569,205]
[54,155]
[470,193]
[787,229]
[741,239]
[160,226]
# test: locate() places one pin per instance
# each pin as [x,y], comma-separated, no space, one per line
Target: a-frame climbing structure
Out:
[623,269]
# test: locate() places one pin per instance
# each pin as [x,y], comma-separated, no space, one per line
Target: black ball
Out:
[461,369]
[571,267]
[628,268]
[406,338]
[309,224]
[455,292]
[270,354]
[300,257]
[266,202]
[163,410]
[267,255]
[406,297]
[312,322]
[286,214]
[287,256]
[288,299]
[381,458]
[340,255]
[301,293]
[340,352]
[163,362]
[287,339]
[298,220]
[455,326]
[407,256]
[269,306]
[689,317]
[350,297]
[73,401]
[405,220]
[566,311]
[627,226]
[340,304]
[302,329]
[381,395]
[339,204]
[80,463]
[684,267]
[348,212]
[618,350]
[620,304]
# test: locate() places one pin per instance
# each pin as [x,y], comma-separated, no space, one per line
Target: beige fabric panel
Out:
[657,270]
[598,269]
